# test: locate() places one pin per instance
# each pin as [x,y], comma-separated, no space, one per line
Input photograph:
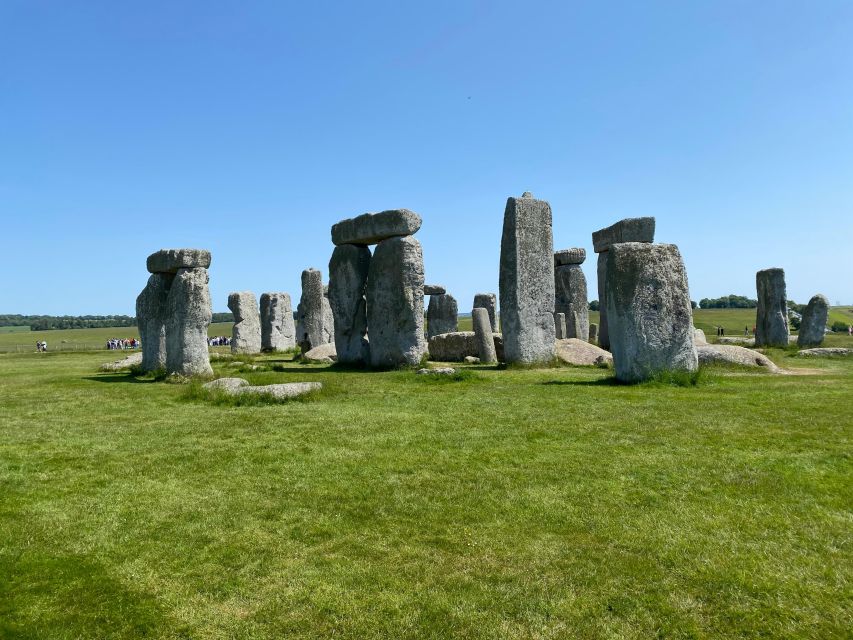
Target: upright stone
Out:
[648,310]
[246,332]
[328,318]
[813,323]
[593,332]
[277,330]
[188,317]
[560,325]
[309,312]
[489,302]
[395,310]
[570,292]
[151,315]
[348,270]
[772,313]
[483,333]
[627,230]
[527,281]
[442,315]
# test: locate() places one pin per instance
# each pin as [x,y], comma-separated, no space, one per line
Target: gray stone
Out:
[324,354]
[434,290]
[151,313]
[283,391]
[772,313]
[442,314]
[471,360]
[328,320]
[648,311]
[170,260]
[371,228]
[527,281]
[559,325]
[437,371]
[732,354]
[125,363]
[483,335]
[310,318]
[601,272]
[455,347]
[627,230]
[581,353]
[395,303]
[489,302]
[593,333]
[188,316]
[229,385]
[824,352]
[699,337]
[278,332]
[570,298]
[348,270]
[246,332]
[813,322]
[575,255]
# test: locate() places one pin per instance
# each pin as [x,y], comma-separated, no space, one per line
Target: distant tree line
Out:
[728,302]
[43,323]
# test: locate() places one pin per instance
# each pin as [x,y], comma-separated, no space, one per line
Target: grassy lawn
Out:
[517,504]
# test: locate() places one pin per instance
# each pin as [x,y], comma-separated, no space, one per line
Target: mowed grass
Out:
[512,504]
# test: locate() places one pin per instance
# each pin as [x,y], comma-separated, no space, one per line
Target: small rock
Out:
[438,371]
[229,385]
[471,360]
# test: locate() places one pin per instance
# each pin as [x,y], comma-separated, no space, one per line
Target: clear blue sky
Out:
[248,128]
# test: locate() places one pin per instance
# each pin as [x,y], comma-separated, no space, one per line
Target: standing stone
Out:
[627,230]
[570,292]
[328,319]
[483,333]
[348,270]
[277,330]
[309,312]
[442,315]
[813,323]
[527,281]
[395,309]
[560,325]
[246,332]
[649,314]
[151,314]
[188,317]
[772,313]
[489,302]
[593,333]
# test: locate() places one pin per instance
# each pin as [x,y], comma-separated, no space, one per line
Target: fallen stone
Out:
[278,332]
[813,323]
[455,347]
[371,228]
[246,331]
[489,302]
[170,260]
[434,290]
[581,353]
[324,354]
[824,352]
[229,385]
[125,363]
[771,327]
[627,230]
[732,354]
[471,360]
[438,371]
[737,340]
[348,270]
[442,314]
[188,316]
[575,255]
[281,391]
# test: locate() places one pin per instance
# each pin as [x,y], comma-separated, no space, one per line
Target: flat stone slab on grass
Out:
[229,385]
[170,260]
[125,363]
[438,371]
[580,352]
[454,347]
[825,352]
[325,353]
[731,354]
[282,391]
[371,228]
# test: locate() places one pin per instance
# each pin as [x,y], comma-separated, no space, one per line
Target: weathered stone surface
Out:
[601,270]
[278,332]
[188,316]
[593,333]
[527,281]
[310,317]
[282,391]
[813,323]
[575,255]
[434,290]
[627,230]
[578,352]
[471,360]
[483,336]
[648,311]
[371,228]
[489,302]
[125,363]
[151,310]
[437,371]
[395,311]
[570,299]
[559,325]
[229,385]
[442,314]
[772,313]
[825,352]
[170,260]
[246,331]
[324,354]
[732,354]
[455,347]
[348,270]
[699,337]
[328,320]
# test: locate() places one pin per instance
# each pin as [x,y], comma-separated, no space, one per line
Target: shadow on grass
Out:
[118,377]
[609,381]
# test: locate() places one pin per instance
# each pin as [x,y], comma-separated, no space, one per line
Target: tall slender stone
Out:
[560,325]
[442,315]
[189,315]
[648,307]
[484,336]
[489,302]
[771,327]
[246,332]
[309,312]
[277,330]
[527,281]
[593,332]
[813,322]
[395,303]
[151,315]
[348,270]
[328,318]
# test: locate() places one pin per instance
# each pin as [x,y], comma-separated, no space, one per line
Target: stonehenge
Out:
[627,230]
[442,314]
[246,332]
[489,302]
[771,326]
[455,347]
[348,270]
[373,228]
[483,333]
[174,311]
[593,332]
[434,290]
[311,315]
[571,293]
[560,325]
[278,332]
[813,323]
[649,314]
[526,284]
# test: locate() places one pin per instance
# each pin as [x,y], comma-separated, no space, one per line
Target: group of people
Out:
[218,341]
[123,343]
[41,345]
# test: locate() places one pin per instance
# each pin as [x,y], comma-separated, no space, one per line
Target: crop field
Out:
[511,503]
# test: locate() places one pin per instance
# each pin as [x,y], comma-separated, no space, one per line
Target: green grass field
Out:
[515,504]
